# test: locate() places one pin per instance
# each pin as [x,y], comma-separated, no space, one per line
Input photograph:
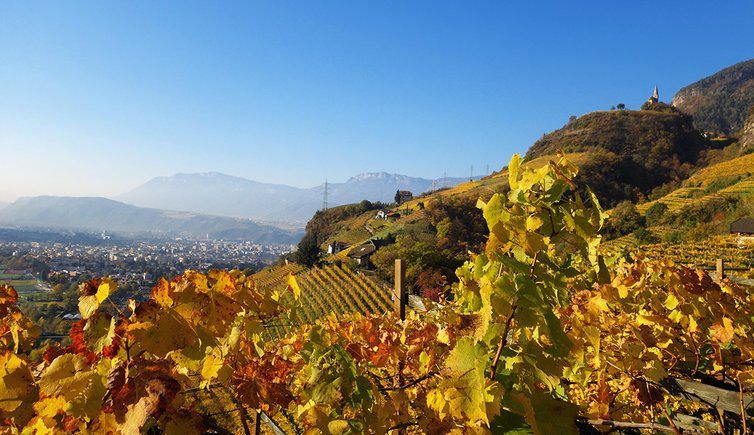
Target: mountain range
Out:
[210,205]
[224,195]
[100,214]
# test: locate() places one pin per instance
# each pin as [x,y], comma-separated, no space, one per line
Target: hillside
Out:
[698,212]
[100,214]
[433,233]
[632,152]
[720,102]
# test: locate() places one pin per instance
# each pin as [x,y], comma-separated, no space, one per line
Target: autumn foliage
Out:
[543,332]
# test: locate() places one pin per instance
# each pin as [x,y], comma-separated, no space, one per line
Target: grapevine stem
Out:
[670,420]
[116,307]
[244,415]
[503,342]
[696,354]
[508,323]
[533,263]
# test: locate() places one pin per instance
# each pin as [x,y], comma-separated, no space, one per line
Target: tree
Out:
[624,219]
[621,106]
[397,196]
[308,249]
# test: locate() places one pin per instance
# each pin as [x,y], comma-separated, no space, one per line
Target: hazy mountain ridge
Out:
[226,195]
[101,214]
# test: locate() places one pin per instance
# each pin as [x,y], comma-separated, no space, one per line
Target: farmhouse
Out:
[743,226]
[335,247]
[360,254]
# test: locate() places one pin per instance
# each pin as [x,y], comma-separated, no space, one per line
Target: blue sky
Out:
[98,97]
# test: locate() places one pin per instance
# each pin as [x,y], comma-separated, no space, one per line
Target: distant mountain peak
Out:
[378,176]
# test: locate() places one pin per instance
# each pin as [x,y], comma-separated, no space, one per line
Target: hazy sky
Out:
[98,97]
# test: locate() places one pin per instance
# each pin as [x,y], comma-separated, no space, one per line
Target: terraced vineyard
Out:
[743,165]
[700,188]
[276,276]
[330,289]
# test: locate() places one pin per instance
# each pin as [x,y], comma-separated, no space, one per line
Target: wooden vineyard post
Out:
[257,426]
[720,270]
[399,307]
[399,301]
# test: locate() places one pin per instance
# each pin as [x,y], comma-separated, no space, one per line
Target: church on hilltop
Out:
[655,98]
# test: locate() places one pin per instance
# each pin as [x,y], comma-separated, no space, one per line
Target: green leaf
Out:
[99,332]
[561,343]
[547,415]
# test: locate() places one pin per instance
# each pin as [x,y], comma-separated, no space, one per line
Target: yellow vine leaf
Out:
[68,375]
[338,427]
[294,286]
[161,293]
[534,222]
[692,324]
[103,291]
[50,406]
[513,167]
[17,390]
[671,302]
[211,367]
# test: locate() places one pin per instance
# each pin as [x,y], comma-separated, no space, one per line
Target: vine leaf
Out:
[17,388]
[68,375]
[93,293]
[465,390]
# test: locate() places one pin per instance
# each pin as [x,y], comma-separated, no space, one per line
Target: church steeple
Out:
[655,98]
